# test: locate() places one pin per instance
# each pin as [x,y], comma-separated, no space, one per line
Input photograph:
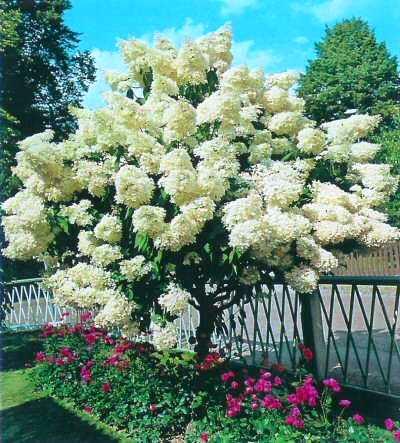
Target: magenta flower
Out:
[271,402]
[235,385]
[153,407]
[106,387]
[359,419]
[332,384]
[255,405]
[204,437]
[40,356]
[277,381]
[88,409]
[396,435]
[390,424]
[345,403]
[227,376]
[249,390]
[86,316]
[263,385]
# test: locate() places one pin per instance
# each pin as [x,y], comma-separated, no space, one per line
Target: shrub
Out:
[199,191]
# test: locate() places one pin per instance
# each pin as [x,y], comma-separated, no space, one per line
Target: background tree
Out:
[351,71]
[42,75]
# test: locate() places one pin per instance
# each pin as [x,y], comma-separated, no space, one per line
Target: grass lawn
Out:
[27,416]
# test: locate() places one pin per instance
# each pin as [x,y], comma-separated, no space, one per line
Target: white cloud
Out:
[301,40]
[328,10]
[232,7]
[243,52]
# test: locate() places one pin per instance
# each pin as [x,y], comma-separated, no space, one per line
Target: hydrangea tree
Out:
[195,184]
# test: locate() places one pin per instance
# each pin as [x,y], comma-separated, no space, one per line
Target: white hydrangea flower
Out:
[109,229]
[164,337]
[175,300]
[311,141]
[135,268]
[287,123]
[302,279]
[77,213]
[106,254]
[133,187]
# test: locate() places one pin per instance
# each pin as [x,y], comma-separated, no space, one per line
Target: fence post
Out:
[313,331]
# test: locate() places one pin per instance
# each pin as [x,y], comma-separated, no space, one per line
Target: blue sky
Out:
[275,35]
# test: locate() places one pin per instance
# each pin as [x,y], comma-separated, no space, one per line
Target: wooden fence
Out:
[382,261]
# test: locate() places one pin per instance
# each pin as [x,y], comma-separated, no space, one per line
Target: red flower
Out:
[204,437]
[227,376]
[88,409]
[153,407]
[359,419]
[86,316]
[106,387]
[279,367]
[396,435]
[308,354]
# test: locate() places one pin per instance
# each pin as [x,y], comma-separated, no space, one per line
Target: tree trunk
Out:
[205,329]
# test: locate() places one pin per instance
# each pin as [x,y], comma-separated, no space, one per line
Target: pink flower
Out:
[40,356]
[88,409]
[263,385]
[86,316]
[255,405]
[390,424]
[235,385]
[277,381]
[359,419]
[265,374]
[250,381]
[249,390]
[271,402]
[204,437]
[332,384]
[106,387]
[305,394]
[153,407]
[396,435]
[227,376]
[296,422]
[65,314]
[345,403]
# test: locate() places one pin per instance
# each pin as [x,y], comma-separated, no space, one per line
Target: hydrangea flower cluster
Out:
[211,159]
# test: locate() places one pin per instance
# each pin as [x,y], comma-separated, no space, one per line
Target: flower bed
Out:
[161,395]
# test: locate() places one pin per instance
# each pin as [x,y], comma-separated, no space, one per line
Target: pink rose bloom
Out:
[277,381]
[359,419]
[249,390]
[345,403]
[250,381]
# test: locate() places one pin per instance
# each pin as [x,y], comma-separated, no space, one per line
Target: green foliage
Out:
[270,427]
[42,74]
[351,71]
[153,395]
